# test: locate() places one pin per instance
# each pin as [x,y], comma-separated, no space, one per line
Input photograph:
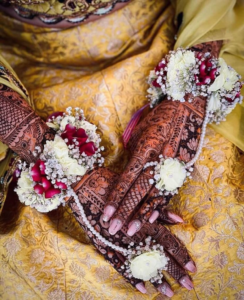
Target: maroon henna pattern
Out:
[20,128]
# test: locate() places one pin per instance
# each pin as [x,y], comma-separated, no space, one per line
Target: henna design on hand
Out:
[20,128]
[92,192]
[172,129]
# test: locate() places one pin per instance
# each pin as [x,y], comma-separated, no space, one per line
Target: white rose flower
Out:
[214,102]
[24,184]
[226,79]
[146,265]
[67,120]
[178,64]
[61,152]
[87,126]
[172,175]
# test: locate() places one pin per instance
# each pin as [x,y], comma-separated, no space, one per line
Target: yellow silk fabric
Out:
[206,20]
[101,67]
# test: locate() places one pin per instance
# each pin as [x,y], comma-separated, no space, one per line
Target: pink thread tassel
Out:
[132,124]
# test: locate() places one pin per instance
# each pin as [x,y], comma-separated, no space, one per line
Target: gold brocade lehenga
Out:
[102,67]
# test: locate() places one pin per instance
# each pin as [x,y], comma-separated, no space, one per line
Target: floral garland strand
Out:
[75,149]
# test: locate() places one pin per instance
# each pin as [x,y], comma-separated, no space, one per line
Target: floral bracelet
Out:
[75,149]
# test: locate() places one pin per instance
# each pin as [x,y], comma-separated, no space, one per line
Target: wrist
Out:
[20,128]
[213,48]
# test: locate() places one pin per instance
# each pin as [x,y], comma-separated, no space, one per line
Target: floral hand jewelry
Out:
[75,149]
[181,76]
[146,262]
[184,73]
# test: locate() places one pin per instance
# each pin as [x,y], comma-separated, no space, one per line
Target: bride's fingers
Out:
[146,150]
[166,217]
[174,247]
[135,195]
[179,274]
[141,287]
[152,209]
[145,212]
[164,288]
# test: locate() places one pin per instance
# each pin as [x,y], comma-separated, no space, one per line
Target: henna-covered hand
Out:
[171,129]
[20,128]
[92,192]
[22,131]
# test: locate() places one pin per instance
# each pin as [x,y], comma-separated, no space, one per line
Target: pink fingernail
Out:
[190,266]
[140,286]
[115,226]
[175,217]
[186,282]
[134,227]
[166,290]
[108,212]
[154,216]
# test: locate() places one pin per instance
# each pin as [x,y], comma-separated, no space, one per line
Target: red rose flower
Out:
[73,135]
[43,185]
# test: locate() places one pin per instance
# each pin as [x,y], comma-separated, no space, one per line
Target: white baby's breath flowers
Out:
[146,265]
[172,175]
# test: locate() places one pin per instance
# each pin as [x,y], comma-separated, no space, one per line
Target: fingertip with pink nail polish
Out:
[115,226]
[190,266]
[186,282]
[175,217]
[108,212]
[154,216]
[166,290]
[134,227]
[141,287]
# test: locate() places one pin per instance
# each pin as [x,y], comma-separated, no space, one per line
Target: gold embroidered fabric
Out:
[103,71]
[54,11]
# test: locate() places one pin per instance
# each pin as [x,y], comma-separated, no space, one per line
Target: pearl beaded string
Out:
[160,166]
[199,149]
[93,230]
